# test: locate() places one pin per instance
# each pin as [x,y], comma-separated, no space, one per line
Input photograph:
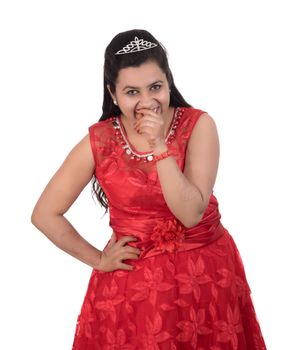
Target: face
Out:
[145,86]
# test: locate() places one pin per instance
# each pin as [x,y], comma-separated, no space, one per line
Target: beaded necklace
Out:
[145,156]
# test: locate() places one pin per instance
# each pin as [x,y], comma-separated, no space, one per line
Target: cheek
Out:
[127,103]
[164,97]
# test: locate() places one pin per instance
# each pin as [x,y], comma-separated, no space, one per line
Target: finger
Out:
[148,122]
[122,241]
[133,250]
[143,110]
[129,256]
[125,267]
[108,245]
[149,118]
[145,130]
[146,111]
[112,240]
[146,127]
[138,115]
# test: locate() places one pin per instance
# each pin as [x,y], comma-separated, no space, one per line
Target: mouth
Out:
[155,110]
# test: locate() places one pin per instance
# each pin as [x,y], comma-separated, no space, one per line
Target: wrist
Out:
[160,149]
[161,156]
[97,261]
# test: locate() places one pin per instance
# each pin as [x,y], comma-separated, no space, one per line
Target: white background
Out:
[227,58]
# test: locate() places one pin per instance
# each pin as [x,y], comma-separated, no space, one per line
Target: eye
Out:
[134,92]
[156,86]
[130,92]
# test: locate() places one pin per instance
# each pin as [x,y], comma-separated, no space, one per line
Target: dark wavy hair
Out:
[112,65]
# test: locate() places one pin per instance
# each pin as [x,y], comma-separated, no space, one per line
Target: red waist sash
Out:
[167,234]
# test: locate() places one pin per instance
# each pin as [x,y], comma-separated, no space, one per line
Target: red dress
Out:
[188,289]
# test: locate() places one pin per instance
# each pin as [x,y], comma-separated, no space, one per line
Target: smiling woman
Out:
[152,95]
[171,276]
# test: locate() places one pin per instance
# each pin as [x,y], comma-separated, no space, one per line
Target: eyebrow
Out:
[136,88]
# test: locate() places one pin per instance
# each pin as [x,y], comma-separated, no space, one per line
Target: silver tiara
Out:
[135,46]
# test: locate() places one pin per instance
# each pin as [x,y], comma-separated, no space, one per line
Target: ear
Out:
[112,95]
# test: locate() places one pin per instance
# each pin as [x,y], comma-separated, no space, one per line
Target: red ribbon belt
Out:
[167,234]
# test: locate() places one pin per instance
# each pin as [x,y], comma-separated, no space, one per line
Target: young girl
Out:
[171,276]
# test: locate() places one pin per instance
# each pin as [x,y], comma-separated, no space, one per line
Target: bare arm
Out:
[62,190]
[187,194]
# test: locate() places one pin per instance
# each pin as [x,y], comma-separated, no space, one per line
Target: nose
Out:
[146,101]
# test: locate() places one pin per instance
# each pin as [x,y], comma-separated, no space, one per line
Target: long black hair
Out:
[112,65]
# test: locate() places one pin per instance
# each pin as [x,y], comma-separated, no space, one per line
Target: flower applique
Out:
[148,288]
[193,278]
[229,330]
[168,235]
[110,300]
[154,333]
[117,340]
[192,328]
[111,156]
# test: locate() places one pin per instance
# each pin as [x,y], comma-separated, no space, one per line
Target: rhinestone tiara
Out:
[135,46]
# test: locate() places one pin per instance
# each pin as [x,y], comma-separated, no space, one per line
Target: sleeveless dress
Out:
[188,289]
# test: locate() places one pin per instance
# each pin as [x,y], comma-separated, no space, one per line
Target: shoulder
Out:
[199,118]
[192,113]
[101,124]
[205,121]
[204,130]
[100,130]
[196,121]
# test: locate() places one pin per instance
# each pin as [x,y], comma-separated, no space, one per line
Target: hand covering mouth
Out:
[139,115]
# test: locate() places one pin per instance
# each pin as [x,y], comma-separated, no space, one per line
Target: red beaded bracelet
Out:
[162,155]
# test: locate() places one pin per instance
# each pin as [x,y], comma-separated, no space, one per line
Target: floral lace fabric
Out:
[188,289]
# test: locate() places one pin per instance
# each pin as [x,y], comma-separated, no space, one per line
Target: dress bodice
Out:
[131,184]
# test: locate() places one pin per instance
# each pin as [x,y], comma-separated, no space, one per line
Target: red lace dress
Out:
[189,288]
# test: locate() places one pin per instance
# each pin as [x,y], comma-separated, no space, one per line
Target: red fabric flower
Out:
[168,235]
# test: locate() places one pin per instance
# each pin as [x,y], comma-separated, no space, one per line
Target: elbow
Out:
[190,224]
[41,216]
[35,218]
[195,219]
[38,217]
[195,213]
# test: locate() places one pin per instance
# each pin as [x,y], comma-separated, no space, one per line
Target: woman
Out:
[171,276]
